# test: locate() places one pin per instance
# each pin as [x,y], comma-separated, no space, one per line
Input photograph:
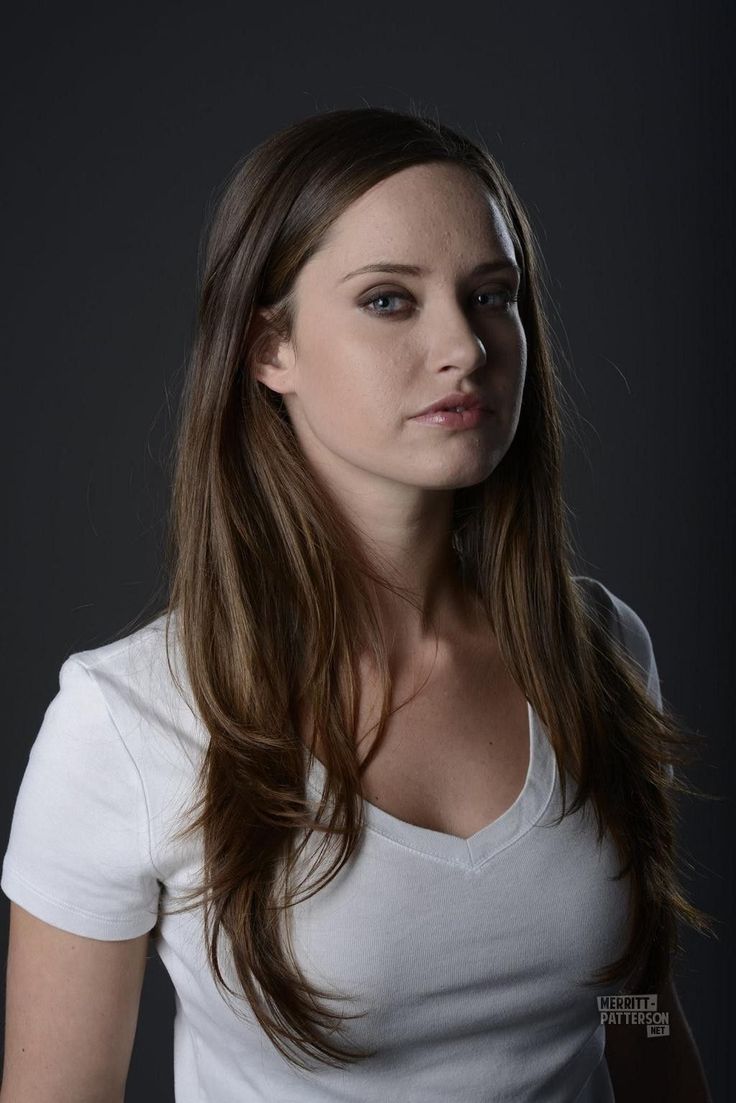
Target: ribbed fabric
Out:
[466,957]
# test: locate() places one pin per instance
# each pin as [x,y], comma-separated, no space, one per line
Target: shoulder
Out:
[624,620]
[80,851]
[110,703]
[626,625]
[141,679]
[106,779]
[133,665]
[119,723]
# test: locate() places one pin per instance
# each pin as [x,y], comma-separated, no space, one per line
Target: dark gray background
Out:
[614,123]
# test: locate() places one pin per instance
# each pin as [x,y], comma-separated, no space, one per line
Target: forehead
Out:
[418,213]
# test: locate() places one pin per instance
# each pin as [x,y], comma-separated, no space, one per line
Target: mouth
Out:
[470,417]
[456,402]
[455,409]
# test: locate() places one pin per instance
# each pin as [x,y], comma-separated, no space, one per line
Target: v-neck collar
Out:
[473,852]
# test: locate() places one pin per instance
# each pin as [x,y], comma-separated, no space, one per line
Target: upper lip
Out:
[455,398]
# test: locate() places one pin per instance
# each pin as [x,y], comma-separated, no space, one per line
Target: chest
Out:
[454,758]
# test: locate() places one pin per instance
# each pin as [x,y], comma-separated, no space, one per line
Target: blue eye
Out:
[508,300]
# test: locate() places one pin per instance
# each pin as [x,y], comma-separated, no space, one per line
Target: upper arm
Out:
[71,1012]
[84,894]
[79,854]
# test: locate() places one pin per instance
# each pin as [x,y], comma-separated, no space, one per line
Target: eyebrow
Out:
[415,270]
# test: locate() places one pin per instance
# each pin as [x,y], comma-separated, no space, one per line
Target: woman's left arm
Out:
[666,1068]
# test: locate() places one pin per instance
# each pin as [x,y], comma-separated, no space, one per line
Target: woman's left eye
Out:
[507,296]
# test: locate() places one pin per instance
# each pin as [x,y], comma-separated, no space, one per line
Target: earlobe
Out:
[270,372]
[269,366]
[265,351]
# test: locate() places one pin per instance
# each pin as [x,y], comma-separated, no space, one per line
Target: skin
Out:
[352,385]
[353,376]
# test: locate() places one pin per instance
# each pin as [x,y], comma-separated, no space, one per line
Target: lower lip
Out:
[451,419]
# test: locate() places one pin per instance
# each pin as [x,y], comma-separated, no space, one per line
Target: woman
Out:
[374,644]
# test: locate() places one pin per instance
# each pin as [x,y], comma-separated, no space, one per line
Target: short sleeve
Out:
[78,854]
[637,642]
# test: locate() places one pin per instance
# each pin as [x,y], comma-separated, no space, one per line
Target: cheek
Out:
[509,343]
[510,366]
[521,348]
[360,385]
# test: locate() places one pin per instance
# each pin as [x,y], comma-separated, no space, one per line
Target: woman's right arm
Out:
[71,1013]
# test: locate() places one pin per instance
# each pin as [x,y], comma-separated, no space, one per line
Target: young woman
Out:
[375,646]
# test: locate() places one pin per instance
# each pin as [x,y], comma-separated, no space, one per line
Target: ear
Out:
[271,357]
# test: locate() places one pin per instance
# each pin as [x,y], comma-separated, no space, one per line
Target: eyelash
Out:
[510,300]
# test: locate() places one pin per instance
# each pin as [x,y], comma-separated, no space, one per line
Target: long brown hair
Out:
[272,595]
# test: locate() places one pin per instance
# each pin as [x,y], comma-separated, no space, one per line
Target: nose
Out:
[453,341]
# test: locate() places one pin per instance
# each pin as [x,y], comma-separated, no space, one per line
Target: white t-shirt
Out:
[468,956]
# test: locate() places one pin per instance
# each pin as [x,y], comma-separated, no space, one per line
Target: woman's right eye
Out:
[385,295]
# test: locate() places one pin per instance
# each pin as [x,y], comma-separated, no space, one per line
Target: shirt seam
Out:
[147,857]
[10,867]
[458,863]
[467,865]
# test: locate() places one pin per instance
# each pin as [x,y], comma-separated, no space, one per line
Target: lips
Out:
[452,401]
